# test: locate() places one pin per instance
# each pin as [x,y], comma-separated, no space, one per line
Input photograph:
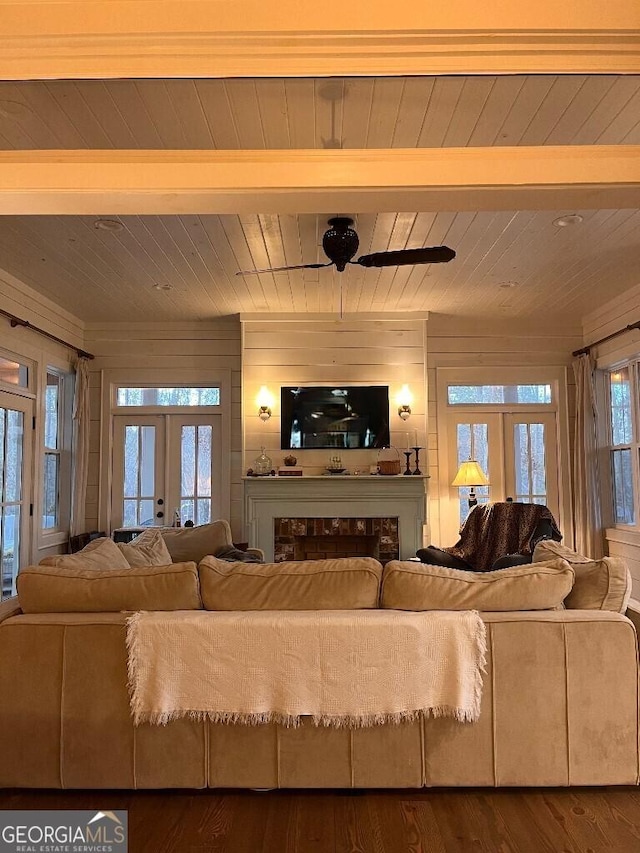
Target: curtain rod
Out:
[628,328]
[16,321]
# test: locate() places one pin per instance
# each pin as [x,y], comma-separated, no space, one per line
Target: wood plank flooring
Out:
[575,820]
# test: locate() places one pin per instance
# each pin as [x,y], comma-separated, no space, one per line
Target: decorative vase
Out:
[290,460]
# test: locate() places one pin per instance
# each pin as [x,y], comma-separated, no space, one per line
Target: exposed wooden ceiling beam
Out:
[173,38]
[331,181]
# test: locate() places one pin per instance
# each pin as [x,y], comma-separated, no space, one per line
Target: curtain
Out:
[80,464]
[586,476]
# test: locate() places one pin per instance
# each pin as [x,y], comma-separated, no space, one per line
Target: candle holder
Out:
[417,452]
[408,453]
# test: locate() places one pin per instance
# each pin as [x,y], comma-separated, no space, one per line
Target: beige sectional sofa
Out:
[559,703]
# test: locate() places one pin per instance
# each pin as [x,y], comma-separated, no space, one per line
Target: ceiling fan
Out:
[340,244]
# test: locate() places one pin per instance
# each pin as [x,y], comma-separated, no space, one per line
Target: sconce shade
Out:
[470,474]
[264,401]
[404,401]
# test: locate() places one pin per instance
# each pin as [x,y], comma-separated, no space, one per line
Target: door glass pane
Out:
[131,460]
[11,437]
[620,391]
[622,486]
[195,474]
[188,461]
[13,462]
[529,463]
[148,461]
[204,460]
[139,475]
[10,548]
[472,443]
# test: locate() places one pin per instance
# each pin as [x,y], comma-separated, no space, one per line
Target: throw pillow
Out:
[600,584]
[98,554]
[147,549]
[50,589]
[418,586]
[194,543]
[351,583]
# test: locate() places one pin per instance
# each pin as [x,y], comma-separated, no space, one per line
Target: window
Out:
[56,476]
[465,395]
[167,396]
[14,373]
[623,443]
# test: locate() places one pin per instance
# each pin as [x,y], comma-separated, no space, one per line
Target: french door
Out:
[516,450]
[16,415]
[163,465]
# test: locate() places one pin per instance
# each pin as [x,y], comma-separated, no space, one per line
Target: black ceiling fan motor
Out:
[340,242]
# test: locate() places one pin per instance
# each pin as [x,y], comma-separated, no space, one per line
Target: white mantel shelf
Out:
[336,496]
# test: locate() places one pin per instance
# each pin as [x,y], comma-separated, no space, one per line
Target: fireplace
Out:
[324,538]
[279,509]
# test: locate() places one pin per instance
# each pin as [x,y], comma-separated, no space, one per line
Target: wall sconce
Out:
[470,474]
[404,401]
[264,401]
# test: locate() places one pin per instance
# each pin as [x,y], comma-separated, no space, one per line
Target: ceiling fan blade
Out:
[282,269]
[434,255]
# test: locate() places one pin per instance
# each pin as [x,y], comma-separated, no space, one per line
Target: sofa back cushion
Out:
[99,554]
[193,543]
[51,589]
[419,586]
[352,583]
[603,584]
[147,549]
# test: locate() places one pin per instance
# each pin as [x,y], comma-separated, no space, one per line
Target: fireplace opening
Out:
[330,546]
[326,538]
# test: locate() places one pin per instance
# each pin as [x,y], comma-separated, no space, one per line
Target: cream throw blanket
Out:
[341,668]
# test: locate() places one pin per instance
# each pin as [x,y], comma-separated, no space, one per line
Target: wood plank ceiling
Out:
[511,263]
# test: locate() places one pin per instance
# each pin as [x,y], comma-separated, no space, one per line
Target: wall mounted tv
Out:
[341,417]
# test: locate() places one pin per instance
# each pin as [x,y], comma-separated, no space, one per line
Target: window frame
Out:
[49,536]
[608,488]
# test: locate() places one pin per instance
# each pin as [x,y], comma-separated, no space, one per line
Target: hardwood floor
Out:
[576,820]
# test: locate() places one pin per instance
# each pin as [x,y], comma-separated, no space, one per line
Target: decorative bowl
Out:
[336,470]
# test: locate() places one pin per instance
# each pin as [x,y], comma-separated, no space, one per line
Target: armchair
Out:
[495,536]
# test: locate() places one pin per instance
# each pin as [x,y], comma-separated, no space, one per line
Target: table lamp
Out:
[470,474]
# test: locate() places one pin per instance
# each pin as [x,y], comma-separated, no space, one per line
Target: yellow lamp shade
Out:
[470,474]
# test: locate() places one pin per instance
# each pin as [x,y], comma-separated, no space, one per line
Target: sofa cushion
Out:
[51,589]
[147,549]
[599,585]
[98,555]
[194,543]
[419,586]
[351,583]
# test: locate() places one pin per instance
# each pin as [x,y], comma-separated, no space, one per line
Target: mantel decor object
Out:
[388,462]
[417,468]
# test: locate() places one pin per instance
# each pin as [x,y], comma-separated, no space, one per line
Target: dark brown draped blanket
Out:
[494,530]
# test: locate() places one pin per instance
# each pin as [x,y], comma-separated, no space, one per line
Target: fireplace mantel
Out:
[335,496]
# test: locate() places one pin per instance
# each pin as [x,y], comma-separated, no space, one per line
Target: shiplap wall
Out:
[322,352]
[22,301]
[161,346]
[463,342]
[609,319]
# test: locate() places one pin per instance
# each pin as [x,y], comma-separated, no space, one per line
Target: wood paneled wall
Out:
[161,346]
[322,352]
[464,342]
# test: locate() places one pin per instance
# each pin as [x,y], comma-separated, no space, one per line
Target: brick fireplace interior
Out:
[322,538]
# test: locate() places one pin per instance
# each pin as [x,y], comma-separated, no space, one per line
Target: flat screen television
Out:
[341,417]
